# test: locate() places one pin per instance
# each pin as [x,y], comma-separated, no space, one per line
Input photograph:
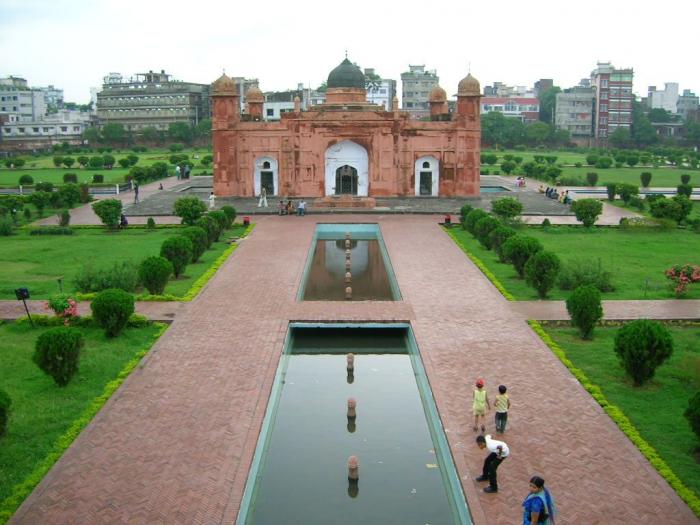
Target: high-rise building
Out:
[687,106]
[574,113]
[380,91]
[613,99]
[666,98]
[151,100]
[416,85]
[20,103]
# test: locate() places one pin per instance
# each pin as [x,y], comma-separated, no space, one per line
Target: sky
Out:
[73,44]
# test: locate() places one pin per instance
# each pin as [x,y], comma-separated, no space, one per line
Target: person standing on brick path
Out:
[501,405]
[498,451]
[263,198]
[212,201]
[136,191]
[481,402]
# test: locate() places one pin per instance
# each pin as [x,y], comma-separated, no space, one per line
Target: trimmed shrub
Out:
[178,250]
[692,413]
[684,189]
[611,188]
[69,194]
[111,309]
[83,160]
[199,240]
[124,162]
[484,227]
[583,272]
[210,226]
[585,309]
[518,250]
[546,223]
[151,224]
[587,211]
[57,161]
[676,208]
[230,212]
[498,236]
[50,230]
[44,186]
[57,353]
[507,208]
[591,159]
[69,178]
[464,211]
[626,191]
[685,178]
[5,405]
[645,178]
[64,218]
[98,178]
[507,167]
[109,211]
[604,163]
[7,226]
[190,209]
[541,272]
[154,273]
[220,217]
[642,346]
[552,172]
[25,180]
[122,275]
[96,162]
[472,218]
[592,178]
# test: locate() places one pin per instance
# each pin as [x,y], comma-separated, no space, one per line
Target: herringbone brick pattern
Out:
[174,444]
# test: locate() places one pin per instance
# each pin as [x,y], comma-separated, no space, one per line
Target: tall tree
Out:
[548,100]
[180,131]
[113,133]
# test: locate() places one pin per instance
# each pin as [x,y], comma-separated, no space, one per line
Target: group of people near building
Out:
[538,505]
[182,172]
[290,208]
[554,193]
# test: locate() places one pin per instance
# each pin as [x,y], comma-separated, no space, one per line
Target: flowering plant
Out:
[683,275]
[64,306]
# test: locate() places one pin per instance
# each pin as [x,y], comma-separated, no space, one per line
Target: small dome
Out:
[254,95]
[346,75]
[437,94]
[468,87]
[224,84]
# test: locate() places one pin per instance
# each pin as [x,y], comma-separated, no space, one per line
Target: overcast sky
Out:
[72,44]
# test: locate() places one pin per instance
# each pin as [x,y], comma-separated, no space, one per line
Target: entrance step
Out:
[345,201]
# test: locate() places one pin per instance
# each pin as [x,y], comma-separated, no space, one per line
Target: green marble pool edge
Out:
[443,452]
[365,227]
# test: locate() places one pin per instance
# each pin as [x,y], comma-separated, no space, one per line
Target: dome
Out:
[346,75]
[469,87]
[254,95]
[224,84]
[437,94]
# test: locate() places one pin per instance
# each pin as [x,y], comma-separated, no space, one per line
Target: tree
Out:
[660,115]
[91,135]
[151,134]
[620,138]
[57,352]
[585,309]
[587,211]
[538,133]
[41,200]
[541,272]
[484,227]
[154,273]
[111,310]
[518,249]
[548,102]
[203,129]
[642,346]
[199,239]
[178,250]
[189,209]
[643,133]
[645,178]
[507,208]
[113,133]
[180,131]
[109,211]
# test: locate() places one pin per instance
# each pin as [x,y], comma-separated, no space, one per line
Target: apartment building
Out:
[526,109]
[666,98]
[19,102]
[416,85]
[574,113]
[380,91]
[613,99]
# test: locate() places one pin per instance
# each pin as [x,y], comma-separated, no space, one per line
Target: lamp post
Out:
[22,294]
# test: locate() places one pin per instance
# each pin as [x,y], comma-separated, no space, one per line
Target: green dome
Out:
[346,75]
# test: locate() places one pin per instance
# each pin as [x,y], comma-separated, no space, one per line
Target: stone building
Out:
[575,114]
[346,146]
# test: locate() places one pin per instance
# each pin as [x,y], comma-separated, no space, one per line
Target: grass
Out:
[656,409]
[55,175]
[38,261]
[636,259]
[41,411]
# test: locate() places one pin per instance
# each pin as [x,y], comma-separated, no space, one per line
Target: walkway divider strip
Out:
[622,421]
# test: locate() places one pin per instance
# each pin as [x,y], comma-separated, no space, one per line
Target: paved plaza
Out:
[175,443]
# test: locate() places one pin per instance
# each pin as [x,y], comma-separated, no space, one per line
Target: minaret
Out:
[255,99]
[225,117]
[438,103]
[468,95]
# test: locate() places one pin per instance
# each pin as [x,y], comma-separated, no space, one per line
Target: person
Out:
[498,451]
[481,401]
[540,189]
[177,171]
[538,506]
[281,208]
[123,223]
[547,191]
[212,201]
[160,186]
[301,208]
[187,171]
[136,191]
[263,198]
[501,405]
[290,207]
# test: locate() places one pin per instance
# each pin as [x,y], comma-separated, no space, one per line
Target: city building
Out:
[574,113]
[380,91]
[151,100]
[613,99]
[416,85]
[53,97]
[499,89]
[687,106]
[56,128]
[526,109]
[666,98]
[346,149]
[543,85]
[19,102]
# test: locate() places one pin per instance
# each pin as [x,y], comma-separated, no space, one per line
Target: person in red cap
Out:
[480,405]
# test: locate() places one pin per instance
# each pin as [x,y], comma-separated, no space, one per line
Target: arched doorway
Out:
[346,180]
[347,169]
[427,176]
[266,175]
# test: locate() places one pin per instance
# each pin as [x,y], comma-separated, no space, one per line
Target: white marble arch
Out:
[431,164]
[352,154]
[266,164]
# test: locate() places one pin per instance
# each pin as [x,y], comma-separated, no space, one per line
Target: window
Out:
[270,112]
[8,130]
[604,83]
[426,164]
[35,130]
[603,121]
[603,108]
[21,130]
[604,95]
[266,165]
[64,128]
[45,130]
[76,128]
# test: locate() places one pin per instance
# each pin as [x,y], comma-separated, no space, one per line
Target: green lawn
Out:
[42,411]
[637,260]
[656,409]
[37,261]
[55,175]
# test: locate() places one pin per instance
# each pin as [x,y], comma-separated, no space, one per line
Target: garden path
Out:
[175,442]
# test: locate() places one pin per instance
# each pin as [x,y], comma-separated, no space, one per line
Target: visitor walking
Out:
[481,402]
[263,198]
[301,208]
[498,451]
[136,191]
[212,201]
[538,506]
[501,405]
[177,171]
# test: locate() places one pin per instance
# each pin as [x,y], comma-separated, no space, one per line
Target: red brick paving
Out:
[175,443]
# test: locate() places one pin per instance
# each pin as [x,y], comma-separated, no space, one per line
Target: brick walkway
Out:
[175,443]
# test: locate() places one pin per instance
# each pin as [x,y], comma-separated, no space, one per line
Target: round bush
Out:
[592,178]
[151,223]
[210,226]
[111,310]
[464,211]
[98,178]
[685,178]
[178,250]
[220,217]
[57,352]
[230,212]
[154,273]
[585,309]
[190,209]
[70,178]
[692,413]
[483,228]
[518,249]
[642,346]
[5,404]
[498,236]
[24,180]
[109,211]
[684,189]
[541,272]
[198,237]
[507,208]
[587,211]
[472,218]
[645,178]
